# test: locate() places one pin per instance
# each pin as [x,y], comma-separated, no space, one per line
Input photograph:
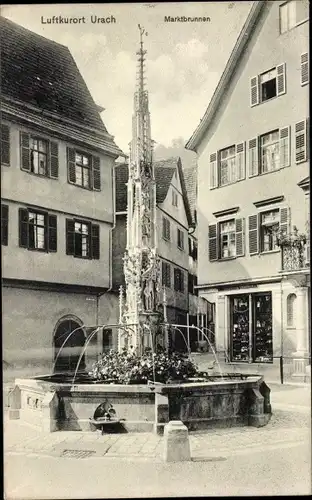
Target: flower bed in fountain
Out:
[129,368]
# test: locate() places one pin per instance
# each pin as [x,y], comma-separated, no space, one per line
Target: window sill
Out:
[83,187]
[40,176]
[5,164]
[224,259]
[269,252]
[229,184]
[294,27]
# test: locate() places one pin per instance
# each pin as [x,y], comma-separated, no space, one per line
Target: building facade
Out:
[57,162]
[252,145]
[176,247]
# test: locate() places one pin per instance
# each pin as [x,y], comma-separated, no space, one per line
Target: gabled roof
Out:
[164,170]
[42,73]
[239,47]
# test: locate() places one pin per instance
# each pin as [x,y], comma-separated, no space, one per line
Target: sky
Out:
[184,61]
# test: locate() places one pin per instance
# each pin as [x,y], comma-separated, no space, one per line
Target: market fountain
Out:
[77,401]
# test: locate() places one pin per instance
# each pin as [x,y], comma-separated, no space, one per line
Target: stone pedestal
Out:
[177,444]
[161,412]
[14,403]
[50,406]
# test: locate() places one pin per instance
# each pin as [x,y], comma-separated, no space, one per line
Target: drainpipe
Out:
[110,259]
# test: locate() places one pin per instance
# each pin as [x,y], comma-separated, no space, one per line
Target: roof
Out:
[190,176]
[42,73]
[239,47]
[164,170]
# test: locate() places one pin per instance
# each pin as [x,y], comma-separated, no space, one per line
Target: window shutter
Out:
[301,141]
[181,281]
[253,161]
[4,224]
[213,242]
[281,79]
[163,274]
[5,145]
[25,151]
[240,237]
[240,161]
[52,233]
[285,220]
[96,173]
[70,237]
[23,227]
[284,145]
[95,241]
[253,234]
[254,91]
[213,171]
[176,285]
[71,166]
[304,75]
[54,160]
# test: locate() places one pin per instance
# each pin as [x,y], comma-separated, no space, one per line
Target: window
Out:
[107,339]
[178,280]
[268,85]
[192,249]
[4,224]
[251,328]
[192,283]
[262,229]
[227,239]
[291,309]
[269,225]
[5,145]
[37,230]
[166,229]
[83,169]
[293,13]
[269,152]
[82,239]
[271,83]
[166,274]
[180,236]
[39,156]
[174,198]
[227,166]
[304,68]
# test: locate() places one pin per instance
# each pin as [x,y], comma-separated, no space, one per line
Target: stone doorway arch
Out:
[69,355]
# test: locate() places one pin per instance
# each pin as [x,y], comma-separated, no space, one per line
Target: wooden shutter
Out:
[23,227]
[71,165]
[281,79]
[4,224]
[304,68]
[5,145]
[253,223]
[163,273]
[54,160]
[176,279]
[285,220]
[96,173]
[52,233]
[301,141]
[254,91]
[239,237]
[213,171]
[70,237]
[95,241]
[240,161]
[284,146]
[253,157]
[181,281]
[25,151]
[213,242]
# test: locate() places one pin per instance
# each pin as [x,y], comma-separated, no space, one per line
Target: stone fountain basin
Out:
[142,408]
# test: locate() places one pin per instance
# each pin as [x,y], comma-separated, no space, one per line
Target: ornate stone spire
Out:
[141,265]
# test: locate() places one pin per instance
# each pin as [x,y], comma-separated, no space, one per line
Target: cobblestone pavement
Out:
[284,429]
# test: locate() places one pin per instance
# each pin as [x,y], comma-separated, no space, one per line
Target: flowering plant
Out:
[128,367]
[294,239]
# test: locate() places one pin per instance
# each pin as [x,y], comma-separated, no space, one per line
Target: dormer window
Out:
[174,198]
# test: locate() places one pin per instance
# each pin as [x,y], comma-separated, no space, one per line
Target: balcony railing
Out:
[295,251]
